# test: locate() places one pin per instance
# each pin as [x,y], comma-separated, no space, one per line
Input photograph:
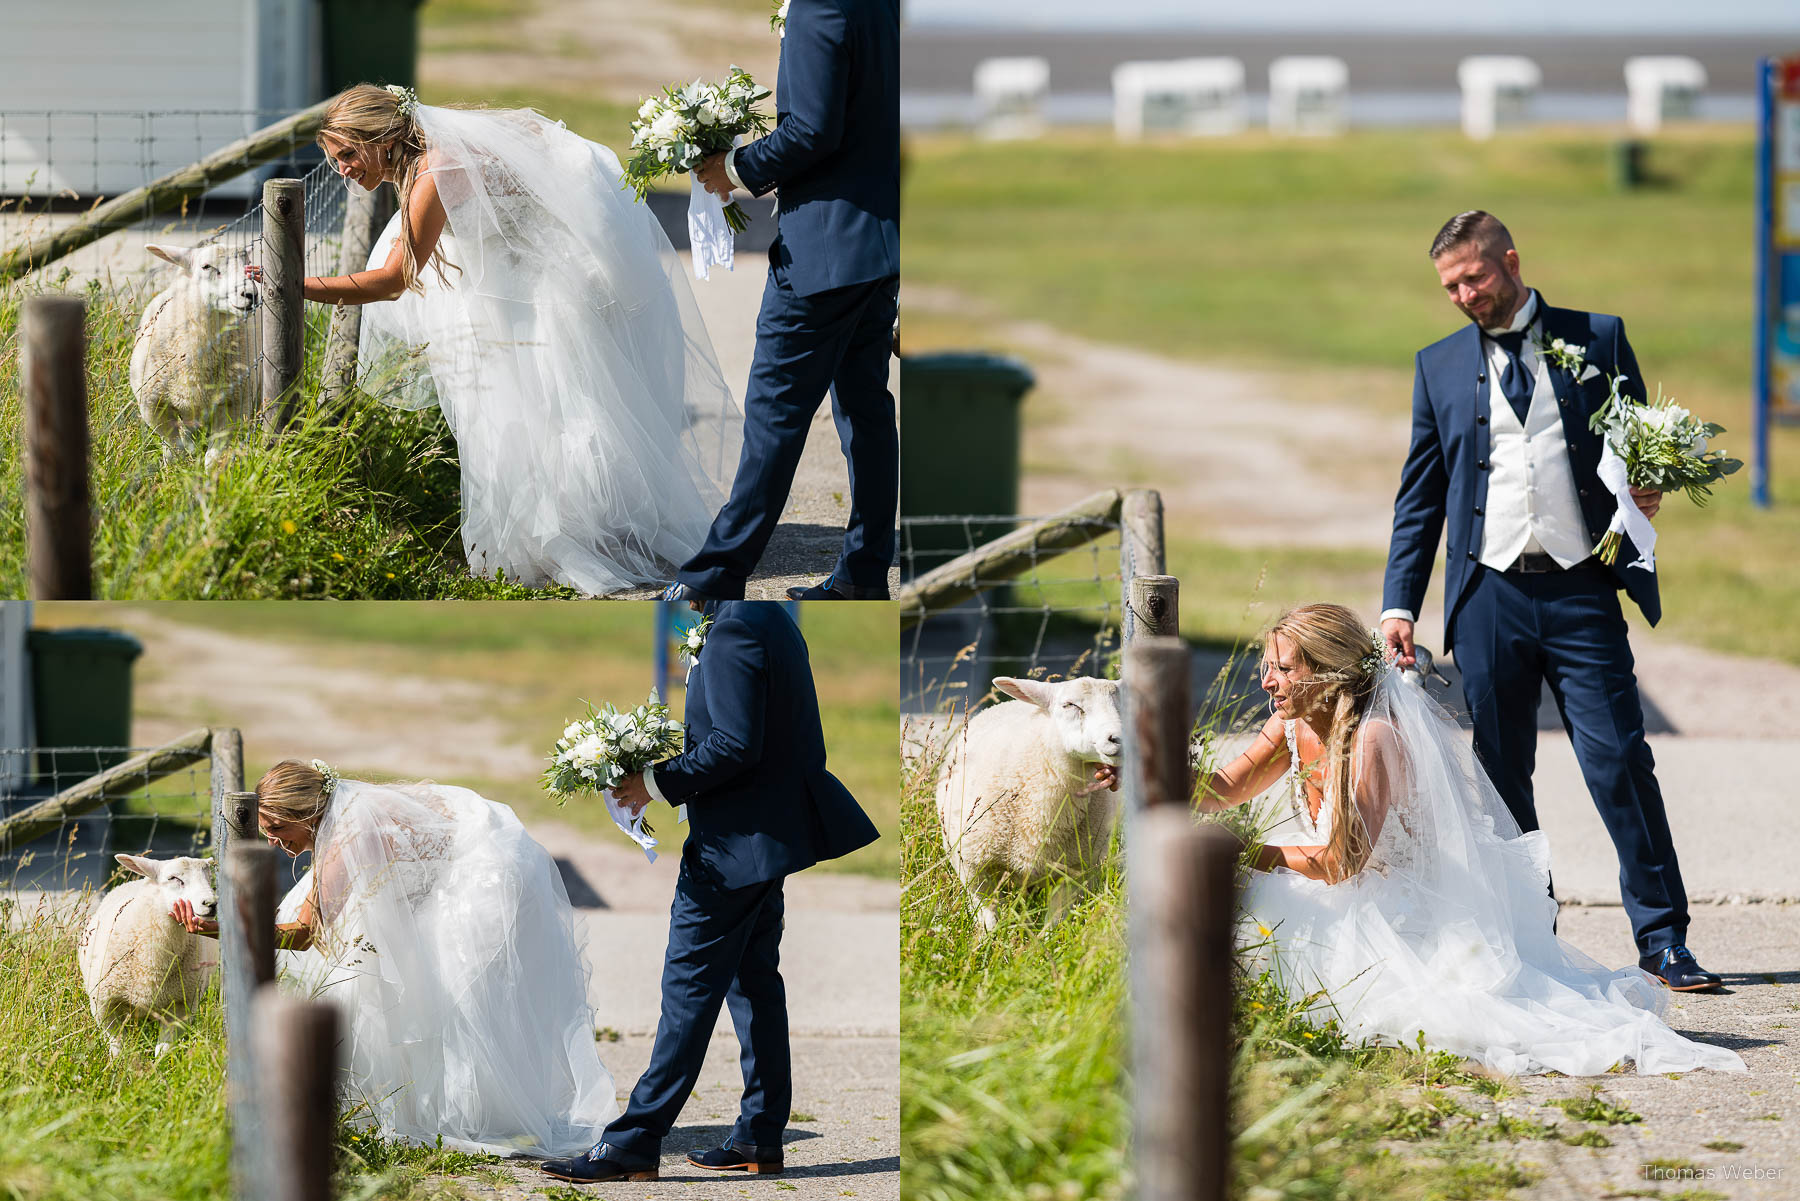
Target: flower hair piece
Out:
[409,99]
[1379,656]
[331,776]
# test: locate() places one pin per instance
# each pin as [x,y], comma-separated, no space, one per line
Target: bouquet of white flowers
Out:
[677,129]
[1657,445]
[595,754]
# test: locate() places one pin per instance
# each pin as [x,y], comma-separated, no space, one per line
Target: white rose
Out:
[647,109]
[573,731]
[1697,447]
[668,126]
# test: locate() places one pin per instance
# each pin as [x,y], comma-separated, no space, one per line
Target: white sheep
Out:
[1016,795]
[191,362]
[136,960]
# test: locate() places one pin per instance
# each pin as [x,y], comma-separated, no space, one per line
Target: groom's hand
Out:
[1649,500]
[712,177]
[632,794]
[1399,635]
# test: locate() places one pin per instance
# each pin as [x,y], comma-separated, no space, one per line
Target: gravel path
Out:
[844,1140]
[1753,1120]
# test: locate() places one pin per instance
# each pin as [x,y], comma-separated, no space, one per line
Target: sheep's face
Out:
[216,274]
[187,880]
[1083,711]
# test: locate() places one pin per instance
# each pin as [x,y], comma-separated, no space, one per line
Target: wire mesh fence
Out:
[63,154]
[56,165]
[169,816]
[1061,616]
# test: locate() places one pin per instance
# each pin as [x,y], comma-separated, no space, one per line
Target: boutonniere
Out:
[778,22]
[1569,357]
[696,638]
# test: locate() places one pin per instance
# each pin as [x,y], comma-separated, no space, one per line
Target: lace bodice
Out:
[1393,845]
[1312,832]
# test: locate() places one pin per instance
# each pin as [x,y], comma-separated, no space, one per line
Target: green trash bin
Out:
[959,451]
[370,41]
[81,700]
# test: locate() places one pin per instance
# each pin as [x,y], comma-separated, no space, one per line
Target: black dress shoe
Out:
[597,1168]
[830,589]
[1676,968]
[739,1157]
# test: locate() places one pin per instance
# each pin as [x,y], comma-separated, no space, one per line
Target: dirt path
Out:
[620,49]
[1227,448]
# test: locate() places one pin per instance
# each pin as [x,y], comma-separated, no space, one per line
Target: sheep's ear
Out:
[1033,692]
[179,255]
[138,864]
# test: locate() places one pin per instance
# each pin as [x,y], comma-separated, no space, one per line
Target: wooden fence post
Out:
[246,962]
[365,215]
[297,1049]
[58,519]
[1181,917]
[1159,720]
[1140,550]
[284,312]
[1154,603]
[1182,1023]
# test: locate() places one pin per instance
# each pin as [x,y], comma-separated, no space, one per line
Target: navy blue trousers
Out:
[836,341]
[724,949]
[1517,632]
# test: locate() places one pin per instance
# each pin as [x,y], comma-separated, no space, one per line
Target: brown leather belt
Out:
[1539,563]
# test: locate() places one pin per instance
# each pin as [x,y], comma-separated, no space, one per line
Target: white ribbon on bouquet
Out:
[1629,520]
[633,823]
[709,235]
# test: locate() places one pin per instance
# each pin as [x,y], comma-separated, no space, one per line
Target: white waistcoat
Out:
[1531,501]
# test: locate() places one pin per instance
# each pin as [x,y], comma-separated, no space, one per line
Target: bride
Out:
[1411,898]
[532,300]
[443,933]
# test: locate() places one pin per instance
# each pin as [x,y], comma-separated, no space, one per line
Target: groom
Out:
[1502,453]
[829,305]
[761,806]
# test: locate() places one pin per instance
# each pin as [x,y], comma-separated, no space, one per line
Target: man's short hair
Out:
[1481,229]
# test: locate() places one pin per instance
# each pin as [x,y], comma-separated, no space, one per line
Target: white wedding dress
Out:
[1447,930]
[561,340]
[447,941]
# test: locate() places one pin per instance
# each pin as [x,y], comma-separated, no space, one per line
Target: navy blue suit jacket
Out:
[760,803]
[1443,487]
[835,148]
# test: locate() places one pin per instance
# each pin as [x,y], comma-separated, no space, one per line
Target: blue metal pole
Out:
[663,614]
[1765,259]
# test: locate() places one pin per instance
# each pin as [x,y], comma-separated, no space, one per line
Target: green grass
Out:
[1014,1053]
[80,1125]
[1308,258]
[358,503]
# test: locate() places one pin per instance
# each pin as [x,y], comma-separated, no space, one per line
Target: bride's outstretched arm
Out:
[427,220]
[1249,775]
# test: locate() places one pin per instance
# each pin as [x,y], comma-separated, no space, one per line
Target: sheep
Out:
[192,356]
[1016,797]
[136,960]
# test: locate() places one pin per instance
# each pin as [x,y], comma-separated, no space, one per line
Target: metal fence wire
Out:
[1063,616]
[168,817]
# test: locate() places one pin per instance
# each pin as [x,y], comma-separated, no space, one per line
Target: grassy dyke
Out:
[1015,1054]
[81,1125]
[360,502]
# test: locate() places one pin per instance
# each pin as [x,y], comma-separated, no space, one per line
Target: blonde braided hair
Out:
[1346,666]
